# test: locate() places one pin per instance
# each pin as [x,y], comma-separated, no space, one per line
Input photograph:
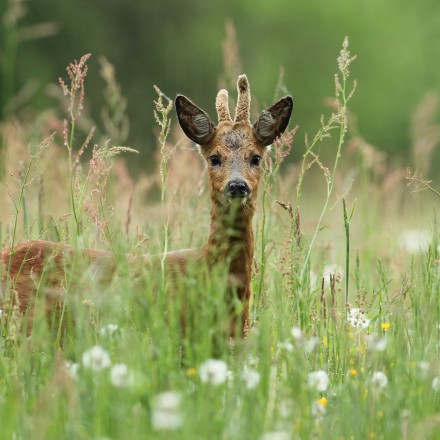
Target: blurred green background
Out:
[177,45]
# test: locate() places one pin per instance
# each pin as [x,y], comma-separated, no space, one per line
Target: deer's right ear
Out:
[194,121]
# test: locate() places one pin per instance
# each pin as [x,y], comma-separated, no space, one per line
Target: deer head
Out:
[234,149]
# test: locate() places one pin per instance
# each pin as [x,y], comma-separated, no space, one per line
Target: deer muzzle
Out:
[237,189]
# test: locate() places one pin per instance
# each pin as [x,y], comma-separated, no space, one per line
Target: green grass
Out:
[300,324]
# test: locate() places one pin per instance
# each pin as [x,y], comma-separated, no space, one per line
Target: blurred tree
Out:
[178,46]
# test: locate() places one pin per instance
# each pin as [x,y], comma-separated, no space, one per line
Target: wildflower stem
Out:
[17,207]
[23,183]
[161,114]
[262,267]
[72,190]
[338,120]
[347,249]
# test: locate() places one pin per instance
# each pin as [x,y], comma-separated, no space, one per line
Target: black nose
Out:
[237,188]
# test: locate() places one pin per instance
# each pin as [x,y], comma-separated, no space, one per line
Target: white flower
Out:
[415,240]
[379,380]
[296,333]
[376,343]
[332,270]
[251,378]
[318,380]
[108,330]
[436,384]
[214,372]
[357,319]
[310,344]
[285,346]
[165,413]
[96,359]
[119,375]
[72,369]
[275,435]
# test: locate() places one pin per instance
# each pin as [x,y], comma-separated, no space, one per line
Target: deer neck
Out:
[231,238]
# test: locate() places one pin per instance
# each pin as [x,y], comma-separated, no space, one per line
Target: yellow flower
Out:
[385,326]
[322,401]
[191,372]
[352,372]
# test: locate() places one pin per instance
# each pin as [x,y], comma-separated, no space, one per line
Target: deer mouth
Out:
[236,201]
[236,204]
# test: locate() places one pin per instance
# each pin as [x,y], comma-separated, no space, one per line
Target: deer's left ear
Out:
[194,121]
[273,121]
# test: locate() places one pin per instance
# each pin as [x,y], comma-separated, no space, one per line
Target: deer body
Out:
[234,151]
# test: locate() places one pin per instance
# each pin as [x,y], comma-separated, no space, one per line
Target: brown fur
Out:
[231,240]
[35,264]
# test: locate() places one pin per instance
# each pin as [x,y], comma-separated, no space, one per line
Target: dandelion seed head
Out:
[379,380]
[166,413]
[167,401]
[310,344]
[357,319]
[318,380]
[296,333]
[119,375]
[96,359]
[251,378]
[214,372]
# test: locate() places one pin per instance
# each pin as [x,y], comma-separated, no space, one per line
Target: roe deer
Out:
[234,150]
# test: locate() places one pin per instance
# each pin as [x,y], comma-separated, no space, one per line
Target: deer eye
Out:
[215,160]
[256,160]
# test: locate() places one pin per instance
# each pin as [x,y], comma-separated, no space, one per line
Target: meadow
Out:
[345,333]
